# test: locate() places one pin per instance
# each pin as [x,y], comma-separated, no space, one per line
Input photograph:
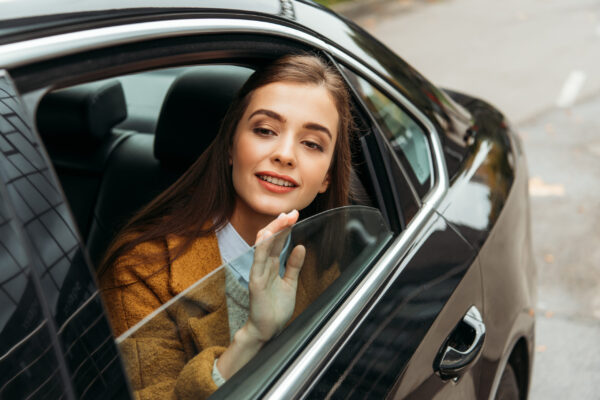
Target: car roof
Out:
[24,21]
[14,9]
[28,19]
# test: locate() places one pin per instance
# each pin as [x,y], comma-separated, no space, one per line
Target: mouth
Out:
[278,181]
[278,184]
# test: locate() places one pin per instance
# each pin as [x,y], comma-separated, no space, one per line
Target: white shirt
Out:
[231,247]
[239,255]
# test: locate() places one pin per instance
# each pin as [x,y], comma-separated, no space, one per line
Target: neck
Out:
[247,222]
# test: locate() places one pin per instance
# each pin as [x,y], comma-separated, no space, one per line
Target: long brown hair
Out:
[202,199]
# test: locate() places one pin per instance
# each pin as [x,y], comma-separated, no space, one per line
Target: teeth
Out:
[276,181]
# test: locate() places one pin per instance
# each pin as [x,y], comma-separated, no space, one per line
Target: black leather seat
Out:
[76,127]
[144,165]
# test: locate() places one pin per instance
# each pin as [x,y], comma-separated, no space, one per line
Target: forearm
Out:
[243,347]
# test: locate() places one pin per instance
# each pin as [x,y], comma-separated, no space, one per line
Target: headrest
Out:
[193,110]
[82,113]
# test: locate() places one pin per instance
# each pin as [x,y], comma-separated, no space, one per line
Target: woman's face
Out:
[282,148]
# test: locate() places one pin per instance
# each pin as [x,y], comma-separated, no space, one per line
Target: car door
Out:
[56,341]
[421,334]
[411,328]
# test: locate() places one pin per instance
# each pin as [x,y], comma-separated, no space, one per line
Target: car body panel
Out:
[477,195]
[486,203]
[381,349]
[418,380]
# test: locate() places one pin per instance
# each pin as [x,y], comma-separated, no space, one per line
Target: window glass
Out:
[340,245]
[50,280]
[29,366]
[406,137]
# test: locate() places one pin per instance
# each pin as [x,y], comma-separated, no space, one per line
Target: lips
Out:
[276,183]
[276,179]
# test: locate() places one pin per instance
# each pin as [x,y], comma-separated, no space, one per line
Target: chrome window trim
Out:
[349,316]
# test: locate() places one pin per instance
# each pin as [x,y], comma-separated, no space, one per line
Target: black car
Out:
[99,112]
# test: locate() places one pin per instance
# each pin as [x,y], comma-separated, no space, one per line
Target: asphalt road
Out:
[537,60]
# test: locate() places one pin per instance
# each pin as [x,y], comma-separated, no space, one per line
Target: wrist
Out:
[248,336]
[244,346]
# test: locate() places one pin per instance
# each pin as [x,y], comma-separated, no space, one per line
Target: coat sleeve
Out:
[172,355]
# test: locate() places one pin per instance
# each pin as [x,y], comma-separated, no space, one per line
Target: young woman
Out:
[283,148]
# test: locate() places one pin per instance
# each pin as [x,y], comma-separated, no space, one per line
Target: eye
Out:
[313,145]
[263,131]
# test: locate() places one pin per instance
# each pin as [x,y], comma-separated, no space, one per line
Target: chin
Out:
[276,208]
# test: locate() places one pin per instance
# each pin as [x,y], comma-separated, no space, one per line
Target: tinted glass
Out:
[28,363]
[406,137]
[64,285]
[340,245]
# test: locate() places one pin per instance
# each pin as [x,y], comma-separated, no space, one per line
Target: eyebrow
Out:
[316,127]
[268,113]
[309,125]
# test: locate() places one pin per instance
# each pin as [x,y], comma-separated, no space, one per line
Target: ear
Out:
[325,184]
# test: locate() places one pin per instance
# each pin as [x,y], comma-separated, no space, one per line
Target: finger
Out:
[261,255]
[279,223]
[294,264]
[273,268]
[279,241]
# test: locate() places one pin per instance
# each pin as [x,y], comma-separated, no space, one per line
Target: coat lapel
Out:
[200,260]
[203,309]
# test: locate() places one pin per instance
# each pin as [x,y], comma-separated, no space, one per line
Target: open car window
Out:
[340,245]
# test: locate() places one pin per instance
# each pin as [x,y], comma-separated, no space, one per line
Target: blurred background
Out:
[539,62]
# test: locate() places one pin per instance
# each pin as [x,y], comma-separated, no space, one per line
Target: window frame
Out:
[401,160]
[198,56]
[381,146]
[357,305]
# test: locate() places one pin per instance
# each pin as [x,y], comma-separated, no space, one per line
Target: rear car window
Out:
[341,244]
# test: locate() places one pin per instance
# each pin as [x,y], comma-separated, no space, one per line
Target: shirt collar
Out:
[232,246]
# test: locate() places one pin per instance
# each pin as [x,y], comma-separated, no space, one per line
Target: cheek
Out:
[239,157]
[317,170]
[238,165]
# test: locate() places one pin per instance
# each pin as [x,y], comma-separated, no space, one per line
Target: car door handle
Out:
[463,347]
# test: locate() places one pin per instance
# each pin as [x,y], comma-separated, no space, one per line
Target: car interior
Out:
[113,155]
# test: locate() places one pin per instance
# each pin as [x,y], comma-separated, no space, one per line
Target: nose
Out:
[285,151]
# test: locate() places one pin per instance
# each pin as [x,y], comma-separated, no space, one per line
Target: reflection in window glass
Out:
[406,137]
[189,332]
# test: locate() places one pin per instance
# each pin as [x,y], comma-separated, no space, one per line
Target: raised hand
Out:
[272,298]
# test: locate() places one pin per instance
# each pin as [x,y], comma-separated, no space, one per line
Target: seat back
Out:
[75,125]
[143,166]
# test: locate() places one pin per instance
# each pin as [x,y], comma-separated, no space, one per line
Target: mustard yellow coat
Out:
[172,356]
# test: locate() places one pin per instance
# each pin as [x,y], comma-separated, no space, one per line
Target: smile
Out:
[276,181]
